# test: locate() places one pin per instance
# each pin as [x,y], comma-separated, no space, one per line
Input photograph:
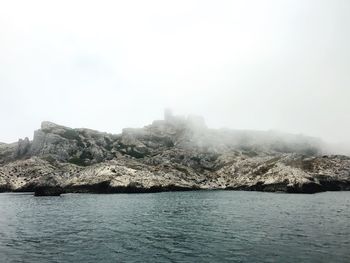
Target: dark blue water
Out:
[205,226]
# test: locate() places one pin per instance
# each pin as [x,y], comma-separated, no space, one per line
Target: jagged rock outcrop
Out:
[22,147]
[79,146]
[168,155]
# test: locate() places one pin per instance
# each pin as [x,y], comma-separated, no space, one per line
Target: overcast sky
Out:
[242,64]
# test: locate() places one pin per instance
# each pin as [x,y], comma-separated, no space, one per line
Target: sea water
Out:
[198,226]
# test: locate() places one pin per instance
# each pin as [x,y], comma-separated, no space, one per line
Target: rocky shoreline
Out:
[105,188]
[174,154]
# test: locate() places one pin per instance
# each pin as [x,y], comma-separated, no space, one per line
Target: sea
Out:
[195,226]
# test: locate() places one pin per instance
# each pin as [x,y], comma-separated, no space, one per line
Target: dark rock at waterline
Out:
[305,188]
[335,185]
[48,191]
[106,188]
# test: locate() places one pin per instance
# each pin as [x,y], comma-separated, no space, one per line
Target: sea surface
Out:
[199,226]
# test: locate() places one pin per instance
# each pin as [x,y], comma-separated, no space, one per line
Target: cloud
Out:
[112,64]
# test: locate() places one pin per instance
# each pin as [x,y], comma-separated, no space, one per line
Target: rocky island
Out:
[176,153]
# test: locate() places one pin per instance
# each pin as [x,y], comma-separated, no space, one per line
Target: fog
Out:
[106,65]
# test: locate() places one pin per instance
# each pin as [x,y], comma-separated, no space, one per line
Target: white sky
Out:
[242,64]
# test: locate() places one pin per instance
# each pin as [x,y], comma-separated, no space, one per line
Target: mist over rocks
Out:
[176,153]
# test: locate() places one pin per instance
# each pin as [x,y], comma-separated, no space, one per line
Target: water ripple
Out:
[206,226]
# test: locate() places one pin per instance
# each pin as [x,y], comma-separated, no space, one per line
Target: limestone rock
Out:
[23,147]
[177,153]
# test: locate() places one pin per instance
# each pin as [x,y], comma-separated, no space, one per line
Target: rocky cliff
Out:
[176,153]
